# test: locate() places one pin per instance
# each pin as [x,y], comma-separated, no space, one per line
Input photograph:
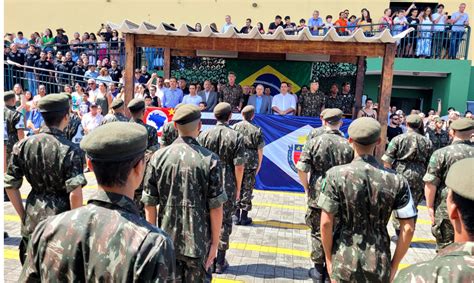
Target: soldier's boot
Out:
[221,262]
[317,273]
[244,219]
[236,217]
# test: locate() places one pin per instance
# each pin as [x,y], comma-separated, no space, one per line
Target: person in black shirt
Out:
[410,40]
[44,76]
[248,26]
[61,40]
[273,26]
[290,28]
[107,33]
[69,63]
[16,56]
[394,128]
[145,74]
[115,72]
[78,72]
[61,77]
[30,58]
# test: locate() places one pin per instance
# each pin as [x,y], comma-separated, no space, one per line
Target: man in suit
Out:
[262,103]
[208,96]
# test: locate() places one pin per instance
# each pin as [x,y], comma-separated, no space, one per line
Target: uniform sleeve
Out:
[390,153]
[73,170]
[32,266]
[153,139]
[304,163]
[216,195]
[14,176]
[301,100]
[150,196]
[260,140]
[240,151]
[433,172]
[156,260]
[329,197]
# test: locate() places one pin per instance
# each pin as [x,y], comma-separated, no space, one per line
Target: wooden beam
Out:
[130,52]
[185,53]
[262,56]
[385,94]
[359,87]
[167,63]
[261,45]
[343,59]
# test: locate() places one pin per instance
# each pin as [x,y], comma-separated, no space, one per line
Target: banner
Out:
[158,117]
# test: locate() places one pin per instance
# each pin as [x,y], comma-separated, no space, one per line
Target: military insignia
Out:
[294,152]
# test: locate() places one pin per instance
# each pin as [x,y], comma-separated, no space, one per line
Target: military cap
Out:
[136,104]
[463,124]
[248,109]
[365,130]
[324,112]
[117,103]
[186,113]
[314,81]
[67,93]
[333,115]
[55,102]
[110,142]
[414,120]
[8,95]
[222,109]
[460,182]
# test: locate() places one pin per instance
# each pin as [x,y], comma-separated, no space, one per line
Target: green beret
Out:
[460,182]
[67,93]
[324,112]
[365,130]
[463,124]
[333,115]
[110,142]
[136,104]
[414,120]
[8,95]
[248,109]
[186,113]
[55,102]
[222,109]
[117,103]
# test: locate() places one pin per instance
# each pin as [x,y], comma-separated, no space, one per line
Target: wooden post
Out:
[130,52]
[359,89]
[167,63]
[385,94]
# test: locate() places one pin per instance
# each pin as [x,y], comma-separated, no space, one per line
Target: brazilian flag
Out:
[271,73]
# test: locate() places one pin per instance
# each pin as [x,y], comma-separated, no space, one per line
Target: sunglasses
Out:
[91,84]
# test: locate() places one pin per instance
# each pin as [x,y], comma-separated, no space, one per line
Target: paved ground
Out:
[274,249]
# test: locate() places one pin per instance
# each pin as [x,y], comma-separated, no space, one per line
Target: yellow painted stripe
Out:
[269,249]
[423,240]
[423,221]
[10,254]
[11,218]
[283,206]
[278,224]
[403,266]
[297,194]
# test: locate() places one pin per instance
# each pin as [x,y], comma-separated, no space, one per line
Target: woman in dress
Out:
[423,45]
[103,98]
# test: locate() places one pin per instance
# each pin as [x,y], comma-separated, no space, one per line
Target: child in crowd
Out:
[301,26]
[84,106]
[351,25]
[328,24]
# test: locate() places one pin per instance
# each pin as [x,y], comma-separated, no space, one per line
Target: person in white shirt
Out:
[284,103]
[91,120]
[440,37]
[192,97]
[228,24]
[93,90]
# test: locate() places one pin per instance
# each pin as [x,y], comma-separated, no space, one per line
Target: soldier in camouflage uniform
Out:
[435,188]
[322,129]
[184,179]
[348,99]
[453,263]
[137,108]
[169,135]
[311,103]
[319,155]
[363,194]
[14,124]
[438,136]
[51,164]
[408,154]
[117,115]
[229,145]
[253,155]
[106,240]
[232,93]
[333,98]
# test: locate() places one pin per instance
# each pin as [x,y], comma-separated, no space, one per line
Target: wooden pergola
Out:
[261,49]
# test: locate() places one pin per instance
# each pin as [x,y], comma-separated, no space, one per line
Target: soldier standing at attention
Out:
[117,115]
[438,136]
[232,93]
[320,154]
[228,144]
[170,134]
[409,154]
[14,124]
[253,156]
[363,194]
[311,103]
[438,167]
[184,179]
[454,262]
[106,240]
[319,130]
[53,166]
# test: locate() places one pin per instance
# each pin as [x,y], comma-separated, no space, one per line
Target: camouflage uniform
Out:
[454,263]
[348,103]
[229,145]
[363,194]
[152,134]
[13,121]
[253,141]
[184,179]
[335,102]
[72,127]
[439,140]
[170,134]
[438,167]
[319,155]
[234,95]
[106,240]
[319,131]
[311,103]
[117,117]
[53,166]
